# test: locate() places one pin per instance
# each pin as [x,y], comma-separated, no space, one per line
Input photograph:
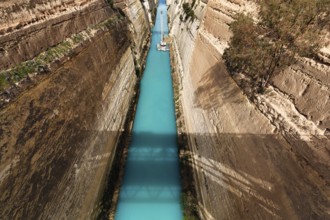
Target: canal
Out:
[151,184]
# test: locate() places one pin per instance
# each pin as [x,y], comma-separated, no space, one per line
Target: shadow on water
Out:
[152,158]
[152,183]
[241,169]
[253,168]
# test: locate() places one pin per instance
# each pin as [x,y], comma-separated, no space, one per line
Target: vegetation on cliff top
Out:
[285,28]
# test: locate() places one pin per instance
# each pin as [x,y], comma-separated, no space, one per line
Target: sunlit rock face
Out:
[261,159]
[308,84]
[59,127]
[29,27]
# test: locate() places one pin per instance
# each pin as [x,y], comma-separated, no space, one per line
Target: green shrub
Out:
[110,2]
[77,38]
[261,49]
[189,12]
[3,81]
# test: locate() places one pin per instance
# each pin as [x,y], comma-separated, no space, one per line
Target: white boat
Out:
[162,46]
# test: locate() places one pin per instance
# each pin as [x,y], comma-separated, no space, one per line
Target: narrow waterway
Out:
[151,185]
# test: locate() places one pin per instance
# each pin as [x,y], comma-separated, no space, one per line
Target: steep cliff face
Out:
[30,27]
[59,133]
[140,24]
[15,15]
[252,160]
[308,85]
[57,138]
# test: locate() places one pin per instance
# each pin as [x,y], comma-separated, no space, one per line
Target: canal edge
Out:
[113,182]
[189,202]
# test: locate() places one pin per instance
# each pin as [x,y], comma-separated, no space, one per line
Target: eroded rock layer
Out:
[59,130]
[58,20]
[57,138]
[253,159]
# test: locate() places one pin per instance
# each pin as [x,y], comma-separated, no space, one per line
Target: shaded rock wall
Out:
[58,139]
[140,24]
[59,135]
[247,164]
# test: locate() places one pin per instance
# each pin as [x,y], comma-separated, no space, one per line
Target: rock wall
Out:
[251,160]
[15,15]
[308,85]
[58,139]
[29,27]
[140,24]
[59,134]
[43,24]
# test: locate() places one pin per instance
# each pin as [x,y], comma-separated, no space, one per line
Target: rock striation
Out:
[28,27]
[59,132]
[252,159]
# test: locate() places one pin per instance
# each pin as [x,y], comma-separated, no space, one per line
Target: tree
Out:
[188,11]
[285,28]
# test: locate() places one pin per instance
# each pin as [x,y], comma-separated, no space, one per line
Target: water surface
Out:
[151,185]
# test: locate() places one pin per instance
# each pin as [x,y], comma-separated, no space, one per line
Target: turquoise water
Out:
[151,185]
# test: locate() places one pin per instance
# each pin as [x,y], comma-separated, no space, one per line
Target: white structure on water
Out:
[162,46]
